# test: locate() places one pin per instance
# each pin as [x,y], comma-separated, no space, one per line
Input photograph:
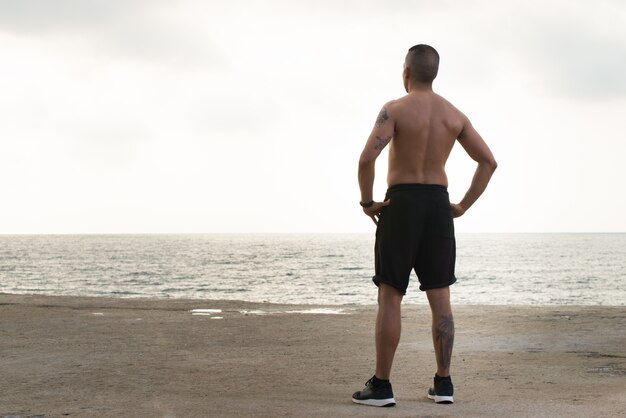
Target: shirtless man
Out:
[415,230]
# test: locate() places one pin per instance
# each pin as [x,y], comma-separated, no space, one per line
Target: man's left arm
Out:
[381,135]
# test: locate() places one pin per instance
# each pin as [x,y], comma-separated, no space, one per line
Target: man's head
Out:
[421,65]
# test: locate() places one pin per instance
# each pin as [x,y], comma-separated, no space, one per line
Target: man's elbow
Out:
[490,163]
[366,161]
[487,165]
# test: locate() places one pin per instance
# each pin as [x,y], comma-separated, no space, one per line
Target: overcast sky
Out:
[249,116]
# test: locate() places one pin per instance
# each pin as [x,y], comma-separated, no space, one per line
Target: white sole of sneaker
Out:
[375,402]
[441,399]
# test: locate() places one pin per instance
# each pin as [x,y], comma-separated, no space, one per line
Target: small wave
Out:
[137,282]
[124,293]
[224,291]
[174,289]
[140,273]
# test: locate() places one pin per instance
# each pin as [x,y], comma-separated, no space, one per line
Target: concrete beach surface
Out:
[100,357]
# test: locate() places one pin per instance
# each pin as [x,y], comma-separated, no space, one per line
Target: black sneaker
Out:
[442,391]
[380,395]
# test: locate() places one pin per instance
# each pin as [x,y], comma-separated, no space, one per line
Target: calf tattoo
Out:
[444,339]
[382,117]
[382,142]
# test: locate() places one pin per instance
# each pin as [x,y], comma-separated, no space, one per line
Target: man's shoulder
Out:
[398,103]
[393,102]
[446,102]
[451,109]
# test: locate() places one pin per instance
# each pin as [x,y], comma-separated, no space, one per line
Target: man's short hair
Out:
[423,63]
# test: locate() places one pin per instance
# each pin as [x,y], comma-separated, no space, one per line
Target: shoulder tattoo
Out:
[382,142]
[382,117]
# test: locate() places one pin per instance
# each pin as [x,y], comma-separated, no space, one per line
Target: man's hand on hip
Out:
[374,210]
[457,210]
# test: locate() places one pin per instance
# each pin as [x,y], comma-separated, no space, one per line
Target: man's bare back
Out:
[425,127]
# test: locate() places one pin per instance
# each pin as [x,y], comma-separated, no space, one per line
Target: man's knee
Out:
[439,299]
[389,294]
[440,292]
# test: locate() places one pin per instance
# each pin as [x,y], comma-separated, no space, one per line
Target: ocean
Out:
[334,269]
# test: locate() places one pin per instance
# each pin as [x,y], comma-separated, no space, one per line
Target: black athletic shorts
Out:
[415,232]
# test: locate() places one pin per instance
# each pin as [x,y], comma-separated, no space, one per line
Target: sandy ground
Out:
[96,357]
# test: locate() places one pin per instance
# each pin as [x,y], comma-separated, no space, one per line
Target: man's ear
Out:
[406,75]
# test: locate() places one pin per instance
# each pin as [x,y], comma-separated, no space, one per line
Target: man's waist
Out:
[416,186]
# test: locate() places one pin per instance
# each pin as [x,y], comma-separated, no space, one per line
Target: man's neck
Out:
[420,87]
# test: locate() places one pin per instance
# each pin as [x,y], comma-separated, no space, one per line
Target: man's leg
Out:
[442,328]
[388,327]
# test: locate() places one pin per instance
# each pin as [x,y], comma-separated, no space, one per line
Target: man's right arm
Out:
[381,135]
[478,150]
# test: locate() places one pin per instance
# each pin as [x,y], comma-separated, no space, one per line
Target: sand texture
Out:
[97,357]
